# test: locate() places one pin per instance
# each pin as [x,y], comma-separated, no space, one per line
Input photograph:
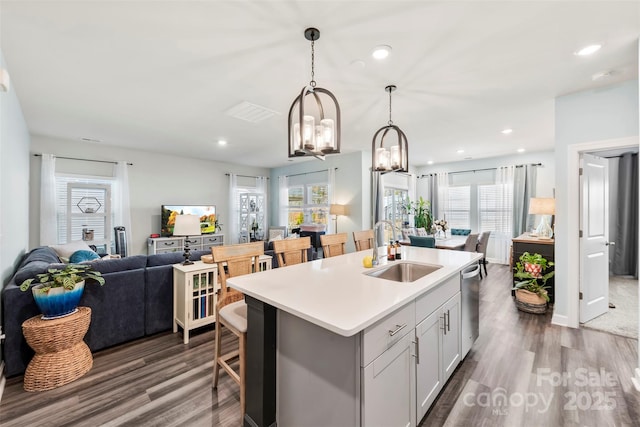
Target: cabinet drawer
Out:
[194,241]
[429,302]
[383,334]
[212,240]
[168,244]
[168,250]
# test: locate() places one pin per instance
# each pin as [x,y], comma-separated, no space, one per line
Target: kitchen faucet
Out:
[374,259]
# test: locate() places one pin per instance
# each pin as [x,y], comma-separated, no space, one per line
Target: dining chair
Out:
[471,244]
[333,244]
[423,242]
[483,241]
[231,310]
[291,251]
[363,239]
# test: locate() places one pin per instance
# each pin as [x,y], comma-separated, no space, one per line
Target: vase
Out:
[534,269]
[58,302]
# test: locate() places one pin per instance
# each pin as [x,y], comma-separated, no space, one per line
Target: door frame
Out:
[573,216]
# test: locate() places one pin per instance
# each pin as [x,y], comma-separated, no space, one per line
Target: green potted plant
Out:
[421,210]
[58,291]
[531,295]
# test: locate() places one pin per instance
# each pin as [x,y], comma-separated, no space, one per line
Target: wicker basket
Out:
[530,302]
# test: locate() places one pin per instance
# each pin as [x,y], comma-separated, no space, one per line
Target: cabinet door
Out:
[388,387]
[429,370]
[451,342]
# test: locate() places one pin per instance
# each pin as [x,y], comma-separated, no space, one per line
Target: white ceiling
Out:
[160,75]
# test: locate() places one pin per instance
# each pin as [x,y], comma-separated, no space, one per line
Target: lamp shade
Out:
[542,206]
[187,225]
[338,210]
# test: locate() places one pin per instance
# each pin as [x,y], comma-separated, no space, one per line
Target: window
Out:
[308,204]
[395,200]
[493,213]
[458,213]
[83,204]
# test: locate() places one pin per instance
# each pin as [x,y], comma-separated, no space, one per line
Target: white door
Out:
[594,244]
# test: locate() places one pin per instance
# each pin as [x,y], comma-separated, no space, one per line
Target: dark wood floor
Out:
[159,381]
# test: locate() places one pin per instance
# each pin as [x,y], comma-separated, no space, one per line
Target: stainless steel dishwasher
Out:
[470,293]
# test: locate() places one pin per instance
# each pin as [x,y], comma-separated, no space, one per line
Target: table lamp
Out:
[337,210]
[544,207]
[187,225]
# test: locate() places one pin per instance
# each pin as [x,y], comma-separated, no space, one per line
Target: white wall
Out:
[594,115]
[154,179]
[353,188]
[14,182]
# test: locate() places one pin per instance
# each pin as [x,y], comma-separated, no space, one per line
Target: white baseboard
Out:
[560,320]
[636,380]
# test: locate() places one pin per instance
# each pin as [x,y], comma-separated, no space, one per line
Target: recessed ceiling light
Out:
[588,50]
[381,52]
[507,131]
[222,142]
[460,151]
[521,150]
[430,162]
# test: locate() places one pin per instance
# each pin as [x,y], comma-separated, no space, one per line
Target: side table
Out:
[61,354]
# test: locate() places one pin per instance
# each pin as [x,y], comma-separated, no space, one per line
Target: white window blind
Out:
[459,209]
[493,214]
[83,202]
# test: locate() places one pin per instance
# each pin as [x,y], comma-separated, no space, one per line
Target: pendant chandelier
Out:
[395,157]
[314,129]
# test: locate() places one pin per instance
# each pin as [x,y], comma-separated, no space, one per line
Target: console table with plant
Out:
[534,245]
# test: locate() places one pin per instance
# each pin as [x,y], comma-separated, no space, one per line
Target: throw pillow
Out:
[275,232]
[65,251]
[421,232]
[276,237]
[406,232]
[82,256]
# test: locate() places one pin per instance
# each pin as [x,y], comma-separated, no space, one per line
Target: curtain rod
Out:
[84,160]
[479,170]
[247,176]
[307,173]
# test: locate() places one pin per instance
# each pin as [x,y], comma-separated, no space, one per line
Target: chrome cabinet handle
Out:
[417,343]
[444,323]
[448,321]
[169,243]
[398,329]
[610,243]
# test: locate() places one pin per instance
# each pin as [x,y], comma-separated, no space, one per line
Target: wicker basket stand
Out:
[530,302]
[61,354]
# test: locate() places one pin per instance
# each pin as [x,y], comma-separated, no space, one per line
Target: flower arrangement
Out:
[440,224]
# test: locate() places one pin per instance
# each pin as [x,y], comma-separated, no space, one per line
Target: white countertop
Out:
[334,294]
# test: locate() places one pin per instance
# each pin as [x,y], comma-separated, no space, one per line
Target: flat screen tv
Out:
[207,216]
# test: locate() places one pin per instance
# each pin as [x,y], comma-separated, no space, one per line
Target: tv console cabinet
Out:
[161,245]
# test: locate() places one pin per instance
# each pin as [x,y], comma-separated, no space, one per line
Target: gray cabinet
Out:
[160,245]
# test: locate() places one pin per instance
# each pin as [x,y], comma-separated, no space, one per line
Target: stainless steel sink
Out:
[405,272]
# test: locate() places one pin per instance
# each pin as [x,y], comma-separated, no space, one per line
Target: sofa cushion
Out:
[82,256]
[120,264]
[31,270]
[43,253]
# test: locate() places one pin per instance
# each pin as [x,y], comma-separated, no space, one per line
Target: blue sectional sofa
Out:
[136,301]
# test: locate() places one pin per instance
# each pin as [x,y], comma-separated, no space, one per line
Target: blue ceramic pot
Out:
[58,302]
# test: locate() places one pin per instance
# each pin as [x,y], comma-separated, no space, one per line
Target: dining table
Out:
[455,243]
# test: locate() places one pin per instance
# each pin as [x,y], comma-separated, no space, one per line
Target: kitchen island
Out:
[330,345]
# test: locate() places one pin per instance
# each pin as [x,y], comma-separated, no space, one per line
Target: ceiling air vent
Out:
[251,112]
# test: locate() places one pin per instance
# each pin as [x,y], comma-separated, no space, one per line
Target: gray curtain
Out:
[432,194]
[377,200]
[625,257]
[524,188]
